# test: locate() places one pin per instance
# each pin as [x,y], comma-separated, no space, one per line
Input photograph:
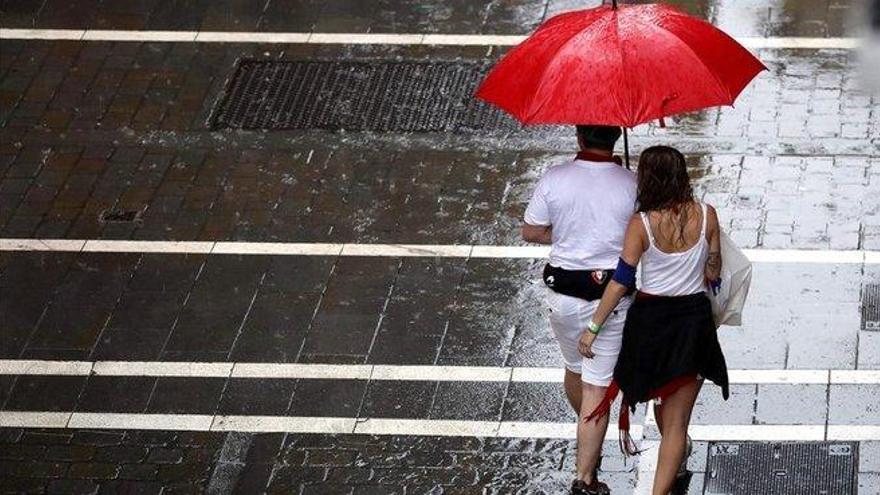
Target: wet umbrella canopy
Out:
[621,66]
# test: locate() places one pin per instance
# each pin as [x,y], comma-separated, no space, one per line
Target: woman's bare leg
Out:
[674,416]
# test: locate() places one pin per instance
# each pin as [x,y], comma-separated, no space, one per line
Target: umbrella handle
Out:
[626,148]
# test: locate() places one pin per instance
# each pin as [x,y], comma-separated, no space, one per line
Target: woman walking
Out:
[670,343]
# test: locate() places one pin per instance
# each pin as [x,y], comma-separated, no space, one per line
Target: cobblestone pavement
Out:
[81,461]
[90,127]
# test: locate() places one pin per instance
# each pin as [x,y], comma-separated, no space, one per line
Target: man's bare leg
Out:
[573,390]
[590,435]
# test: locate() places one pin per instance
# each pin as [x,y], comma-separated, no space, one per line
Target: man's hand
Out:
[585,345]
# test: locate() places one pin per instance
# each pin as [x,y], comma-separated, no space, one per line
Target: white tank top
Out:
[675,274]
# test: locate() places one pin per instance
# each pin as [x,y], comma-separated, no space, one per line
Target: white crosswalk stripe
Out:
[386,372]
[429,39]
[780,256]
[411,427]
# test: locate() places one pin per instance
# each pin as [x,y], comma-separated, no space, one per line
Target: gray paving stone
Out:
[869,456]
[791,404]
[711,408]
[868,482]
[869,350]
[854,404]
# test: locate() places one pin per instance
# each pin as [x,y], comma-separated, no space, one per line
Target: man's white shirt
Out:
[589,205]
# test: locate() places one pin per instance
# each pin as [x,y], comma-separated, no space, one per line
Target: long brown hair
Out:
[664,184]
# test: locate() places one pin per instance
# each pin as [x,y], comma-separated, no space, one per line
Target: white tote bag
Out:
[736,278]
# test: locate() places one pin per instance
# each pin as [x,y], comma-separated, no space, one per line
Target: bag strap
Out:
[705,230]
[647,224]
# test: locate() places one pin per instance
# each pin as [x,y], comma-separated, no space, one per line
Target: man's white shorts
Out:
[569,318]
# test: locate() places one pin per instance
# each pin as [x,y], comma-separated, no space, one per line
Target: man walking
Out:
[582,209]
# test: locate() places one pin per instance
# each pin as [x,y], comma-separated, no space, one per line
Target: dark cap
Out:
[599,136]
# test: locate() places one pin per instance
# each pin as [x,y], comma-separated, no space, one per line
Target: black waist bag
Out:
[583,284]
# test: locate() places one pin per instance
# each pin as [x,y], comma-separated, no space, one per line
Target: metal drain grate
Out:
[358,96]
[871,307]
[120,216]
[811,468]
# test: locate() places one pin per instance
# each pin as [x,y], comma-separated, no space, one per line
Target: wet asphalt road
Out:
[91,126]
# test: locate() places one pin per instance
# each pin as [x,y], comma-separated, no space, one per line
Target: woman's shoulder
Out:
[710,209]
[636,222]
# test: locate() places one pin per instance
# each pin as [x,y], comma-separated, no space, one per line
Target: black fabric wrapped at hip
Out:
[666,338]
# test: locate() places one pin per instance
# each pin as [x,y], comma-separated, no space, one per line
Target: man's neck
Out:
[598,152]
[597,155]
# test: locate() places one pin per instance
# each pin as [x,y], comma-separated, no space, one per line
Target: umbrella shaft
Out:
[614,4]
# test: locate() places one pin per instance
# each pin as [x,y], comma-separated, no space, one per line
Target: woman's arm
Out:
[713,232]
[634,245]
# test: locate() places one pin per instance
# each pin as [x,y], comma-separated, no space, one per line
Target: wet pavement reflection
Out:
[807,18]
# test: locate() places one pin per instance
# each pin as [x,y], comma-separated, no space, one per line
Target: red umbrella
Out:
[619,66]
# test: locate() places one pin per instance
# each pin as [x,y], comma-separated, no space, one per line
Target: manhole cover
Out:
[871,307]
[120,216]
[357,96]
[766,468]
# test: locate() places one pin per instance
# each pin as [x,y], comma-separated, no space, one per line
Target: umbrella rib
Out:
[627,112]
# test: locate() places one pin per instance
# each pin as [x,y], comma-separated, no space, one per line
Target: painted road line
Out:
[757,432]
[804,256]
[117,421]
[159,368]
[278,248]
[442,373]
[282,424]
[432,427]
[387,250]
[802,43]
[365,39]
[410,427]
[41,245]
[426,39]
[778,376]
[407,250]
[169,247]
[473,39]
[854,432]
[510,252]
[36,367]
[245,37]
[537,375]
[386,372]
[527,429]
[34,419]
[304,371]
[870,377]
[123,35]
[42,34]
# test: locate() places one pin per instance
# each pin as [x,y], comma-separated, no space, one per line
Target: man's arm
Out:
[539,234]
